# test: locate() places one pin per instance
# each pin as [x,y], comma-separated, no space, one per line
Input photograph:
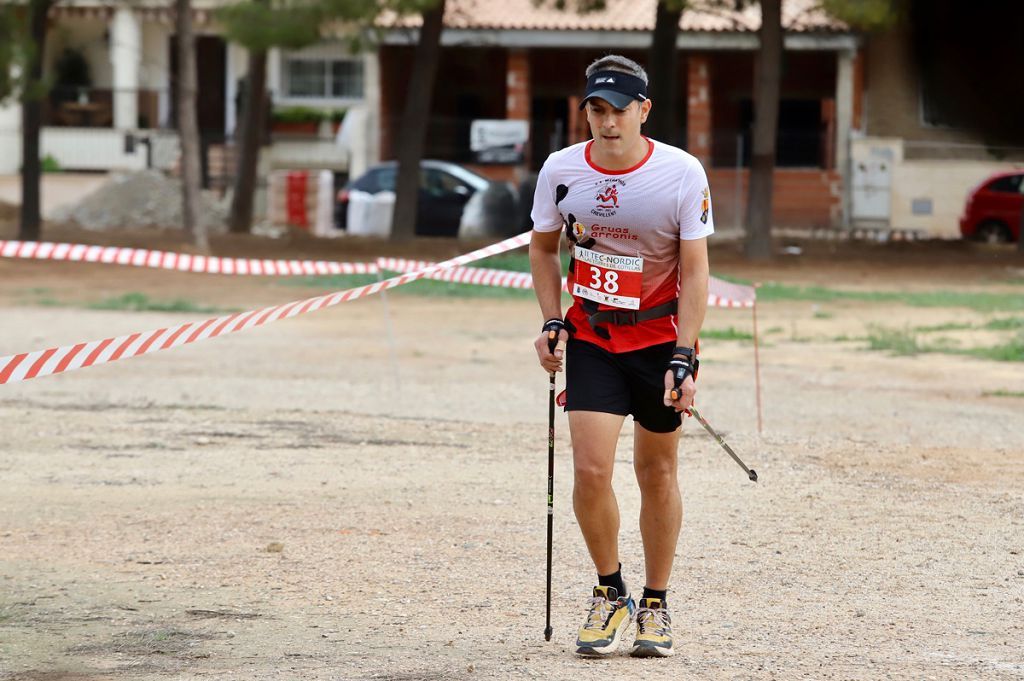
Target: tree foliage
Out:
[866,15]
[17,50]
[10,51]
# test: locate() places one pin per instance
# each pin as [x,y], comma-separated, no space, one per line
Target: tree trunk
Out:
[31,122]
[253,123]
[663,68]
[758,245]
[413,128]
[188,125]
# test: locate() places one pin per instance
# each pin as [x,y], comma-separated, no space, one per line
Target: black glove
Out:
[553,328]
[681,367]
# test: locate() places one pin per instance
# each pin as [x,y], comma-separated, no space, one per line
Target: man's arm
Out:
[547,272]
[547,284]
[693,303]
[693,281]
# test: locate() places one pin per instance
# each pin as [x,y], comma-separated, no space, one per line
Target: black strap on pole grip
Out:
[553,327]
[681,368]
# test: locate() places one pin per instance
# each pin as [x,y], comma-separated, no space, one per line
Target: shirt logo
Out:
[609,198]
[580,230]
[705,205]
[606,197]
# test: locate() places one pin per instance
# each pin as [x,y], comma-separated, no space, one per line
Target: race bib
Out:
[613,280]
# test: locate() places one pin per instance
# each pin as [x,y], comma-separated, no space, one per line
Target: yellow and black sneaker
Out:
[653,629]
[606,623]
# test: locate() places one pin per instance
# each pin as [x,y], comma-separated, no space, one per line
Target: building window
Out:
[324,78]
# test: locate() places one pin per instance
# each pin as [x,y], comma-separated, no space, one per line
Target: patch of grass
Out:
[776,329]
[901,342]
[330,282]
[821,314]
[1005,324]
[905,342]
[147,642]
[431,287]
[140,302]
[1013,351]
[421,287]
[981,301]
[948,326]
[1003,393]
[730,333]
[734,279]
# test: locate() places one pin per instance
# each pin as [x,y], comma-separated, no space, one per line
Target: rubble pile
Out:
[8,212]
[144,199]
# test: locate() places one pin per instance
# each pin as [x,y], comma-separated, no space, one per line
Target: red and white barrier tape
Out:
[28,365]
[481,276]
[721,293]
[181,262]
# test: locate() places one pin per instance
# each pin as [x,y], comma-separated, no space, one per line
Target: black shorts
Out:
[620,383]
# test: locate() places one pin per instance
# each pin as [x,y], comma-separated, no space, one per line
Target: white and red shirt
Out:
[624,227]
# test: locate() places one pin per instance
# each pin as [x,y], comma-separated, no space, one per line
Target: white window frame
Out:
[320,53]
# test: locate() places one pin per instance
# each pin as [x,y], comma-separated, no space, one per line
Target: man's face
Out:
[616,130]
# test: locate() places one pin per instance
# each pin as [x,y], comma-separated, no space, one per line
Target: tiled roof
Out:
[621,15]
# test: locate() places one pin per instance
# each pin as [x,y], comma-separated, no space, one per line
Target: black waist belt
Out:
[633,317]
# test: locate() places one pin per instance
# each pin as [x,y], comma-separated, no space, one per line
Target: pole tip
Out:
[547,633]
[753,475]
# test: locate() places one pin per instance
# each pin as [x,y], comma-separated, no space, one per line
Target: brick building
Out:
[513,60]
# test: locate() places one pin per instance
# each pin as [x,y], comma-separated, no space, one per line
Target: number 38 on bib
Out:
[608,279]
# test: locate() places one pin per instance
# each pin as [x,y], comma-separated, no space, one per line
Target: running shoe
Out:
[653,629]
[606,623]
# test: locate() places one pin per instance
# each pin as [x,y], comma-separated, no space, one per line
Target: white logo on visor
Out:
[606,79]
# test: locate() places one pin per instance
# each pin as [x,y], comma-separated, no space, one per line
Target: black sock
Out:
[615,580]
[654,593]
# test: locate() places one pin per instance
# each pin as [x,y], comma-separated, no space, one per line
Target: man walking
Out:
[637,214]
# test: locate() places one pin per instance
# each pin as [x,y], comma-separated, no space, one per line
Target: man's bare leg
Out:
[655,460]
[594,436]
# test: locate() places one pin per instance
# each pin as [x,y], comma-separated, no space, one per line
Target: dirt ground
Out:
[323,499]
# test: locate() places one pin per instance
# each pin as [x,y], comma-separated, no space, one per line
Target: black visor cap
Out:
[617,88]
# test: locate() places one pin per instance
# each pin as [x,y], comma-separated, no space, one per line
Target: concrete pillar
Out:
[698,107]
[371,93]
[274,82]
[10,132]
[844,123]
[125,57]
[10,139]
[237,67]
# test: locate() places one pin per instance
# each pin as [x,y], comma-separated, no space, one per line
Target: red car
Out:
[993,208]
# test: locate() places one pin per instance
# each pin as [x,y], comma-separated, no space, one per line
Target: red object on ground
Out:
[992,211]
[295,198]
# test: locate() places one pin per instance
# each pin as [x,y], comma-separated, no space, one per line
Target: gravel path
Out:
[307,502]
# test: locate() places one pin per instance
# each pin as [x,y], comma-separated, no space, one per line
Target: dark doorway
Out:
[211,65]
[549,129]
[800,136]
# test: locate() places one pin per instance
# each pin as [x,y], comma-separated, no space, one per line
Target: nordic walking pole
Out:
[751,473]
[681,369]
[552,343]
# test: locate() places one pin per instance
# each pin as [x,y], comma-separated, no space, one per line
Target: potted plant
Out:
[336,117]
[296,120]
